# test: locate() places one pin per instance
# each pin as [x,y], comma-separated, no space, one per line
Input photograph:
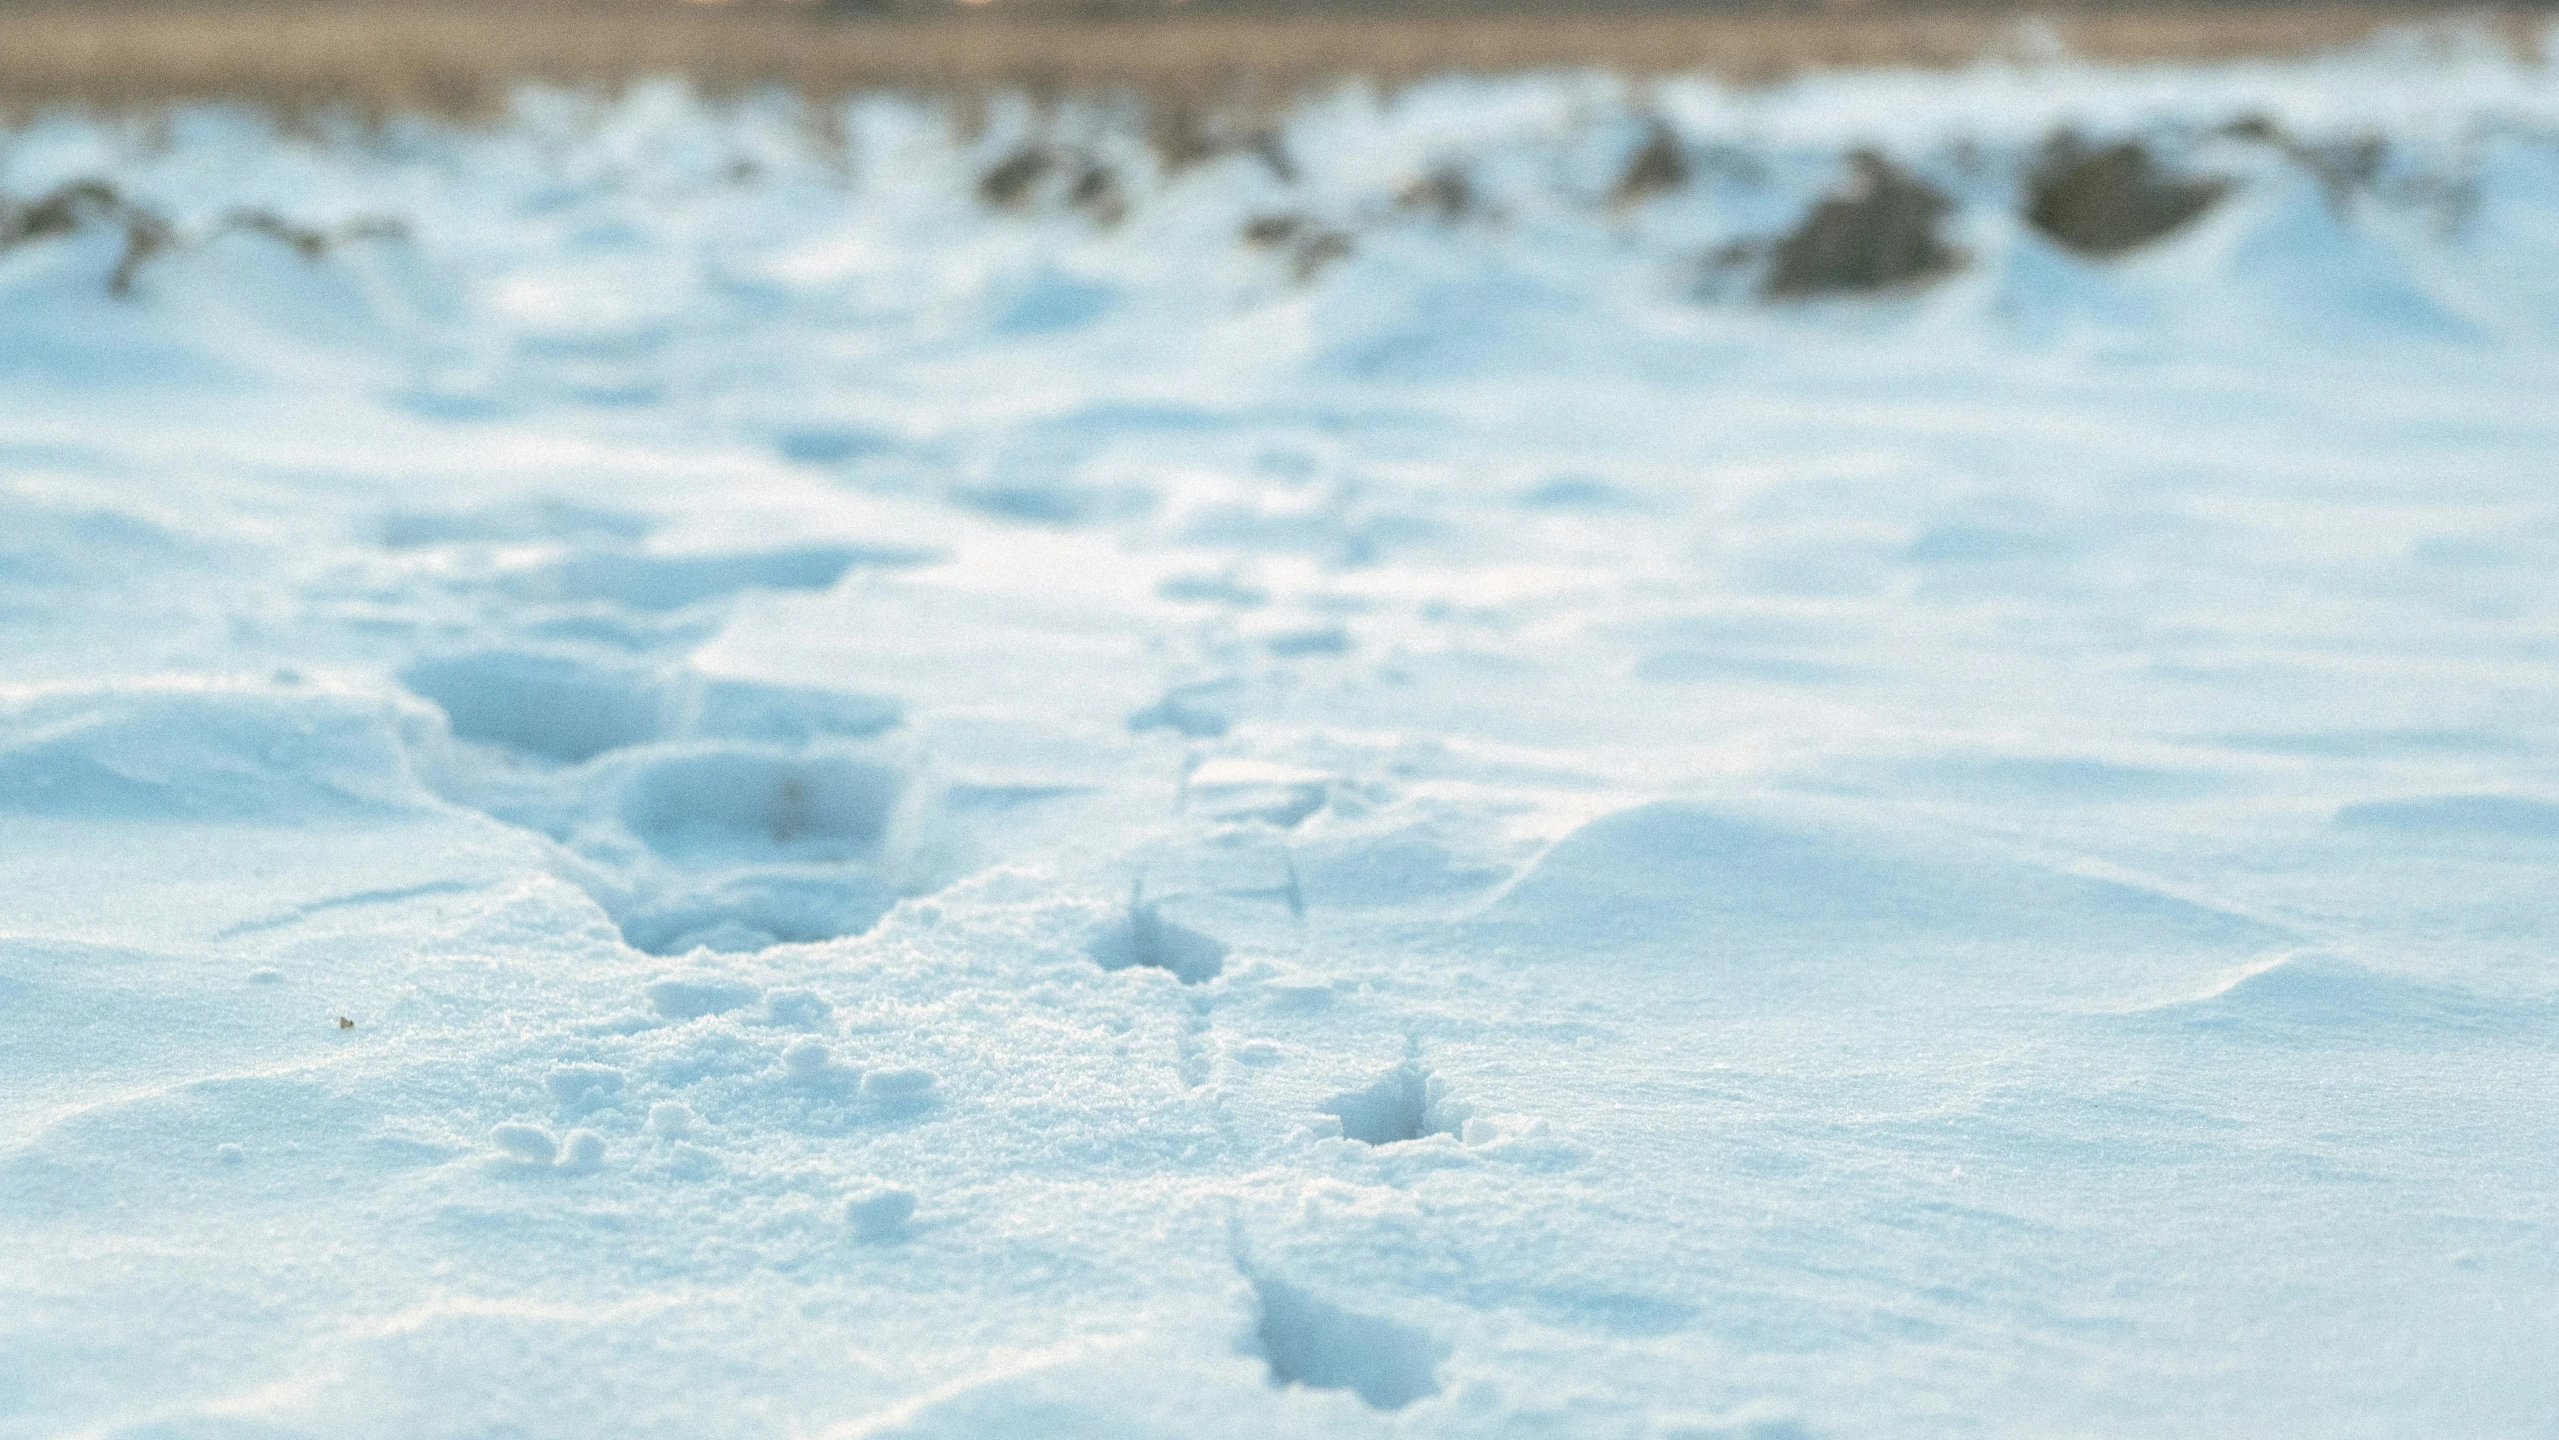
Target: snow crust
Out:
[731,793]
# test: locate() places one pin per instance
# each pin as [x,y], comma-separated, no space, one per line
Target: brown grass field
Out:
[461,61]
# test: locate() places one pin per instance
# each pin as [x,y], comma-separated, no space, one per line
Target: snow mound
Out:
[2329,1000]
[247,751]
[1710,886]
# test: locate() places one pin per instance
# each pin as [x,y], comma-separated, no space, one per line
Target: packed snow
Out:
[687,769]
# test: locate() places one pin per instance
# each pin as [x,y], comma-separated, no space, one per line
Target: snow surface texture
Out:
[762,778]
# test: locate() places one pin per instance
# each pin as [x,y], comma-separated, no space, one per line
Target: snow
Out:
[723,791]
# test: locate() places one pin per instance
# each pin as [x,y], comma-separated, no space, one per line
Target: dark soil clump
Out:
[84,203]
[95,204]
[1008,186]
[1098,193]
[1657,165]
[1311,248]
[1182,138]
[1316,253]
[1878,233]
[2109,201]
[1265,232]
[1446,193]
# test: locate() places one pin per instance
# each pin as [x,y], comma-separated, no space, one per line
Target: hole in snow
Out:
[1143,937]
[1402,1104]
[753,909]
[746,803]
[1309,1341]
[767,713]
[559,707]
[659,582]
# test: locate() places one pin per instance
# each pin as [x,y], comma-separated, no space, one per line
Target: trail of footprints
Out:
[722,815]
[707,812]
[1299,1336]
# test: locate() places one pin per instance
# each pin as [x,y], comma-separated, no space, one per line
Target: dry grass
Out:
[461,62]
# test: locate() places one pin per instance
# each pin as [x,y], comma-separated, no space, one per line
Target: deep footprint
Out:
[754,805]
[1142,937]
[1402,1104]
[641,581]
[553,705]
[1313,1342]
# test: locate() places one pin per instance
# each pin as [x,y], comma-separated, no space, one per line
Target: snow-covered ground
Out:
[736,792]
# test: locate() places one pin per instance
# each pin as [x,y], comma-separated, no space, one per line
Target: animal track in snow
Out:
[752,911]
[760,805]
[1405,1103]
[555,706]
[698,839]
[710,811]
[1141,936]
[1310,1341]
[751,847]
[570,704]
[649,581]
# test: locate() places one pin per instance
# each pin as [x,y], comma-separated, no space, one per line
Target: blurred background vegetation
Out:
[461,58]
